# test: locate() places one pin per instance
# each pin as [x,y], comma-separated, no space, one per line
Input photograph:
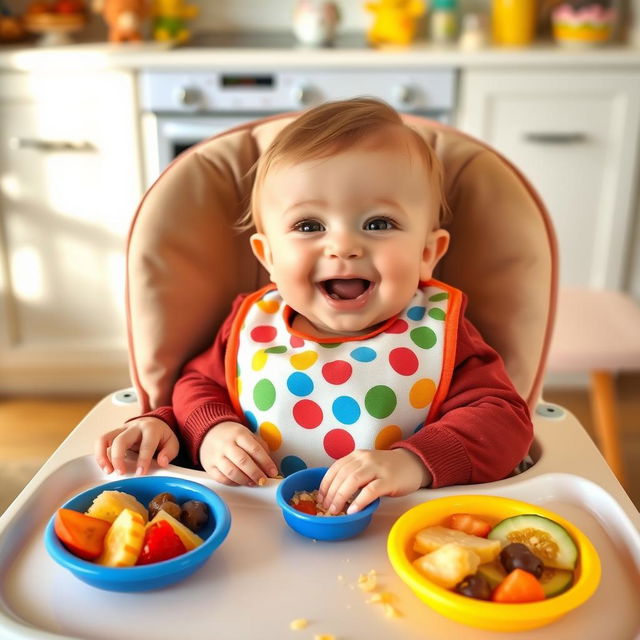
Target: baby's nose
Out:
[344,245]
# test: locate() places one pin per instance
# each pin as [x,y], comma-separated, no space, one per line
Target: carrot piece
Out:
[470,524]
[518,586]
[83,535]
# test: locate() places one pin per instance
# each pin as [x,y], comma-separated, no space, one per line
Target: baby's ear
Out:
[261,250]
[435,247]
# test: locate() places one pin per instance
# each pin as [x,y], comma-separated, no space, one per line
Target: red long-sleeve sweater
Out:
[481,432]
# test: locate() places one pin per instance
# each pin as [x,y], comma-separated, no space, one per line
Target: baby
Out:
[354,357]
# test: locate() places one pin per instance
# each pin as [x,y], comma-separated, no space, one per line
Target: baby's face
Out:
[347,238]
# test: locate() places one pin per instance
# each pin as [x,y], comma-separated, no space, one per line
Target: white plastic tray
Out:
[264,575]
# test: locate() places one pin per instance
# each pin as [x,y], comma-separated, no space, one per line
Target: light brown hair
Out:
[337,126]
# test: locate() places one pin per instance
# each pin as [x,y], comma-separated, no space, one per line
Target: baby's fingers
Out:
[126,440]
[375,489]
[148,445]
[168,451]
[101,449]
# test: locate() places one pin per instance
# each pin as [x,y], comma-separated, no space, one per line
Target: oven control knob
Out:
[302,95]
[403,95]
[188,96]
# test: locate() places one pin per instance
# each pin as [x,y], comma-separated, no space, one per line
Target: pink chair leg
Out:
[603,404]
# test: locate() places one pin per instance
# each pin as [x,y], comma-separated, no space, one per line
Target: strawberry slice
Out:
[306,506]
[161,542]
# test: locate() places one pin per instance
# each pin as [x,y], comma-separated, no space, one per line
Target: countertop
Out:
[162,56]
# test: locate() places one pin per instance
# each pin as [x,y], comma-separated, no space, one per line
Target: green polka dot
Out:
[437,297]
[329,345]
[380,401]
[281,349]
[264,394]
[424,337]
[436,314]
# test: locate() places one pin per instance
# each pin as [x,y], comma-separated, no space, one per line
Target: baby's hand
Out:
[231,454]
[377,473]
[144,435]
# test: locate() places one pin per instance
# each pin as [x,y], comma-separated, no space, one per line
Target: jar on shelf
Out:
[513,22]
[583,23]
[443,21]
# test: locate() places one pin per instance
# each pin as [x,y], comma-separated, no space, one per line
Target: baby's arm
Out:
[146,435]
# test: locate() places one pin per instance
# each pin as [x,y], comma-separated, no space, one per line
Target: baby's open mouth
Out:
[345,288]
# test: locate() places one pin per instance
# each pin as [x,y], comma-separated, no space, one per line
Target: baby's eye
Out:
[309,226]
[379,224]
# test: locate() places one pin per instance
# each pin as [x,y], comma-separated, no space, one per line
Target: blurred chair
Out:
[598,332]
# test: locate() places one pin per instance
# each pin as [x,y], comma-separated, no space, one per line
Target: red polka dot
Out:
[307,414]
[403,361]
[337,372]
[338,443]
[296,341]
[263,333]
[399,326]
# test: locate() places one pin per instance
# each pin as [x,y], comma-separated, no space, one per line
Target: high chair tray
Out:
[264,575]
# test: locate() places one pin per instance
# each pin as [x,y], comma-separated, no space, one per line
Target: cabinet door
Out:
[574,135]
[70,183]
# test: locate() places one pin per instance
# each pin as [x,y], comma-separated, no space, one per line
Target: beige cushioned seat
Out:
[186,263]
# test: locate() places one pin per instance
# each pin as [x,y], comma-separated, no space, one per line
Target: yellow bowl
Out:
[481,613]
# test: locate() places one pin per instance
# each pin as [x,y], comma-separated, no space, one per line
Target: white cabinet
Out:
[575,136]
[70,180]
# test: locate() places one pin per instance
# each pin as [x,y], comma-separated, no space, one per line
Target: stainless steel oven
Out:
[181,108]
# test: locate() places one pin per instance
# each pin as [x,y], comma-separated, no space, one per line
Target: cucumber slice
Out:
[546,538]
[555,581]
[493,573]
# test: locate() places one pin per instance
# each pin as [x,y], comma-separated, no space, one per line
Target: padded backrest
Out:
[185,262]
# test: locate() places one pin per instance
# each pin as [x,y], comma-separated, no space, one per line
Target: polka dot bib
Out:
[314,401]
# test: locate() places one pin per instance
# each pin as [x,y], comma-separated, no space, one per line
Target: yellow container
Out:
[479,613]
[513,22]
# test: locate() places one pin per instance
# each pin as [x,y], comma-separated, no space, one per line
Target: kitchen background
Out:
[61,347]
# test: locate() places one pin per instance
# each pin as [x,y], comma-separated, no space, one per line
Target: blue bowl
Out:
[319,527]
[151,576]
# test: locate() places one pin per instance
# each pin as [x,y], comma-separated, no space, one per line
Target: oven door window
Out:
[166,137]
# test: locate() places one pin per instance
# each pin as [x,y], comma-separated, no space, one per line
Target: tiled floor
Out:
[32,428]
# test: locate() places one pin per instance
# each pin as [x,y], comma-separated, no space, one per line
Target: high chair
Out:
[185,266]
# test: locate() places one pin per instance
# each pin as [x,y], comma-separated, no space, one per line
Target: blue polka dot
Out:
[363,354]
[420,425]
[291,464]
[252,420]
[416,313]
[345,409]
[300,384]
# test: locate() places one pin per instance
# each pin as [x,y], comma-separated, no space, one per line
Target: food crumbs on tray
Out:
[380,598]
[367,582]
[324,636]
[390,611]
[262,481]
[298,624]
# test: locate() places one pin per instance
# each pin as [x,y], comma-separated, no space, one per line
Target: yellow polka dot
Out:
[303,360]
[387,436]
[271,435]
[269,306]
[259,360]
[422,393]
[239,385]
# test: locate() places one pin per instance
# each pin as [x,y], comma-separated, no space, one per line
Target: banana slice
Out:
[108,505]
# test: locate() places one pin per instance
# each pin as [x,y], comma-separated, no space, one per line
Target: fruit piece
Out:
[189,539]
[432,538]
[305,506]
[108,505]
[518,556]
[518,586]
[157,502]
[195,514]
[448,565]
[555,581]
[123,541]
[161,542]
[470,524]
[546,538]
[475,586]
[81,534]
[493,572]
